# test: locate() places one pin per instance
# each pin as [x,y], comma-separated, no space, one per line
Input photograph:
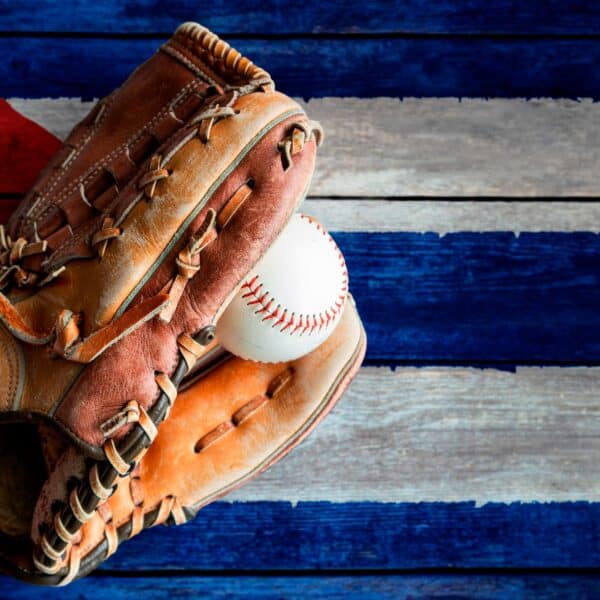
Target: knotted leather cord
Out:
[169,507]
[107,232]
[210,115]
[85,499]
[294,143]
[188,263]
[11,253]
[155,173]
[88,495]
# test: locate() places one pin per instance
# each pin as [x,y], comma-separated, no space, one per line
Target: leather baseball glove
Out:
[229,424]
[114,271]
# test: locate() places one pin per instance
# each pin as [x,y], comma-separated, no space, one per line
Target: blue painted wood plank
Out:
[373,587]
[327,587]
[367,535]
[477,297]
[34,67]
[279,17]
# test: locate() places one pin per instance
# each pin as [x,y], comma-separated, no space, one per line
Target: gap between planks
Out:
[434,147]
[449,435]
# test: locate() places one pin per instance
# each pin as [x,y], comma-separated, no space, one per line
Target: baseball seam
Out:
[284,318]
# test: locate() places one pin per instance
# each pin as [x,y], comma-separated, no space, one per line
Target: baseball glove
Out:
[228,425]
[115,269]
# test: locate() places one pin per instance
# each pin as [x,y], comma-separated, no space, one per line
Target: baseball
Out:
[293,299]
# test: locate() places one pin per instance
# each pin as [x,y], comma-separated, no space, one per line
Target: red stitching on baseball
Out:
[301,322]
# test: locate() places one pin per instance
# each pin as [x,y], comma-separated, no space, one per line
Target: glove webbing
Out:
[120,459]
[169,508]
[118,463]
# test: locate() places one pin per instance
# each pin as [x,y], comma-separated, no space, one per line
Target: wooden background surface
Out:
[460,177]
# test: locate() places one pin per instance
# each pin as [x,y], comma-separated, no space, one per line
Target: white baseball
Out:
[292,300]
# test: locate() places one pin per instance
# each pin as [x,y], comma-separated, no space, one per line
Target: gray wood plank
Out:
[451,147]
[450,216]
[385,147]
[450,434]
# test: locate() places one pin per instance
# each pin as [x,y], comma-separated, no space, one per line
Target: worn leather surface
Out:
[225,262]
[175,468]
[141,260]
[99,174]
[97,289]
[11,371]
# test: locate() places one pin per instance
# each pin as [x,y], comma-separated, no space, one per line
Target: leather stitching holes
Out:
[243,413]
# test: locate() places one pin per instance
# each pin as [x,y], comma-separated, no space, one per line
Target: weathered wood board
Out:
[323,586]
[449,435]
[467,448]
[36,66]
[276,17]
[452,216]
[384,147]
[479,298]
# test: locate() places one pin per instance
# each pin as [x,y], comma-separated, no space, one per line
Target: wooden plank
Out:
[440,434]
[300,587]
[452,216]
[34,67]
[432,147]
[469,297]
[276,16]
[450,147]
[320,536]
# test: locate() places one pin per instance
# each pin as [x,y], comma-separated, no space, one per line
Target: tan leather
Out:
[243,431]
[100,289]
[12,365]
[105,281]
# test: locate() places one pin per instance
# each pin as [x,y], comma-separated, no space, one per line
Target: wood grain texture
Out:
[450,147]
[477,298]
[300,587]
[34,67]
[449,434]
[452,216]
[431,147]
[323,536]
[276,16]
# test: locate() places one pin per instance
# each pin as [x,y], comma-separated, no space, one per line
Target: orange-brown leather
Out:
[227,427]
[108,273]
